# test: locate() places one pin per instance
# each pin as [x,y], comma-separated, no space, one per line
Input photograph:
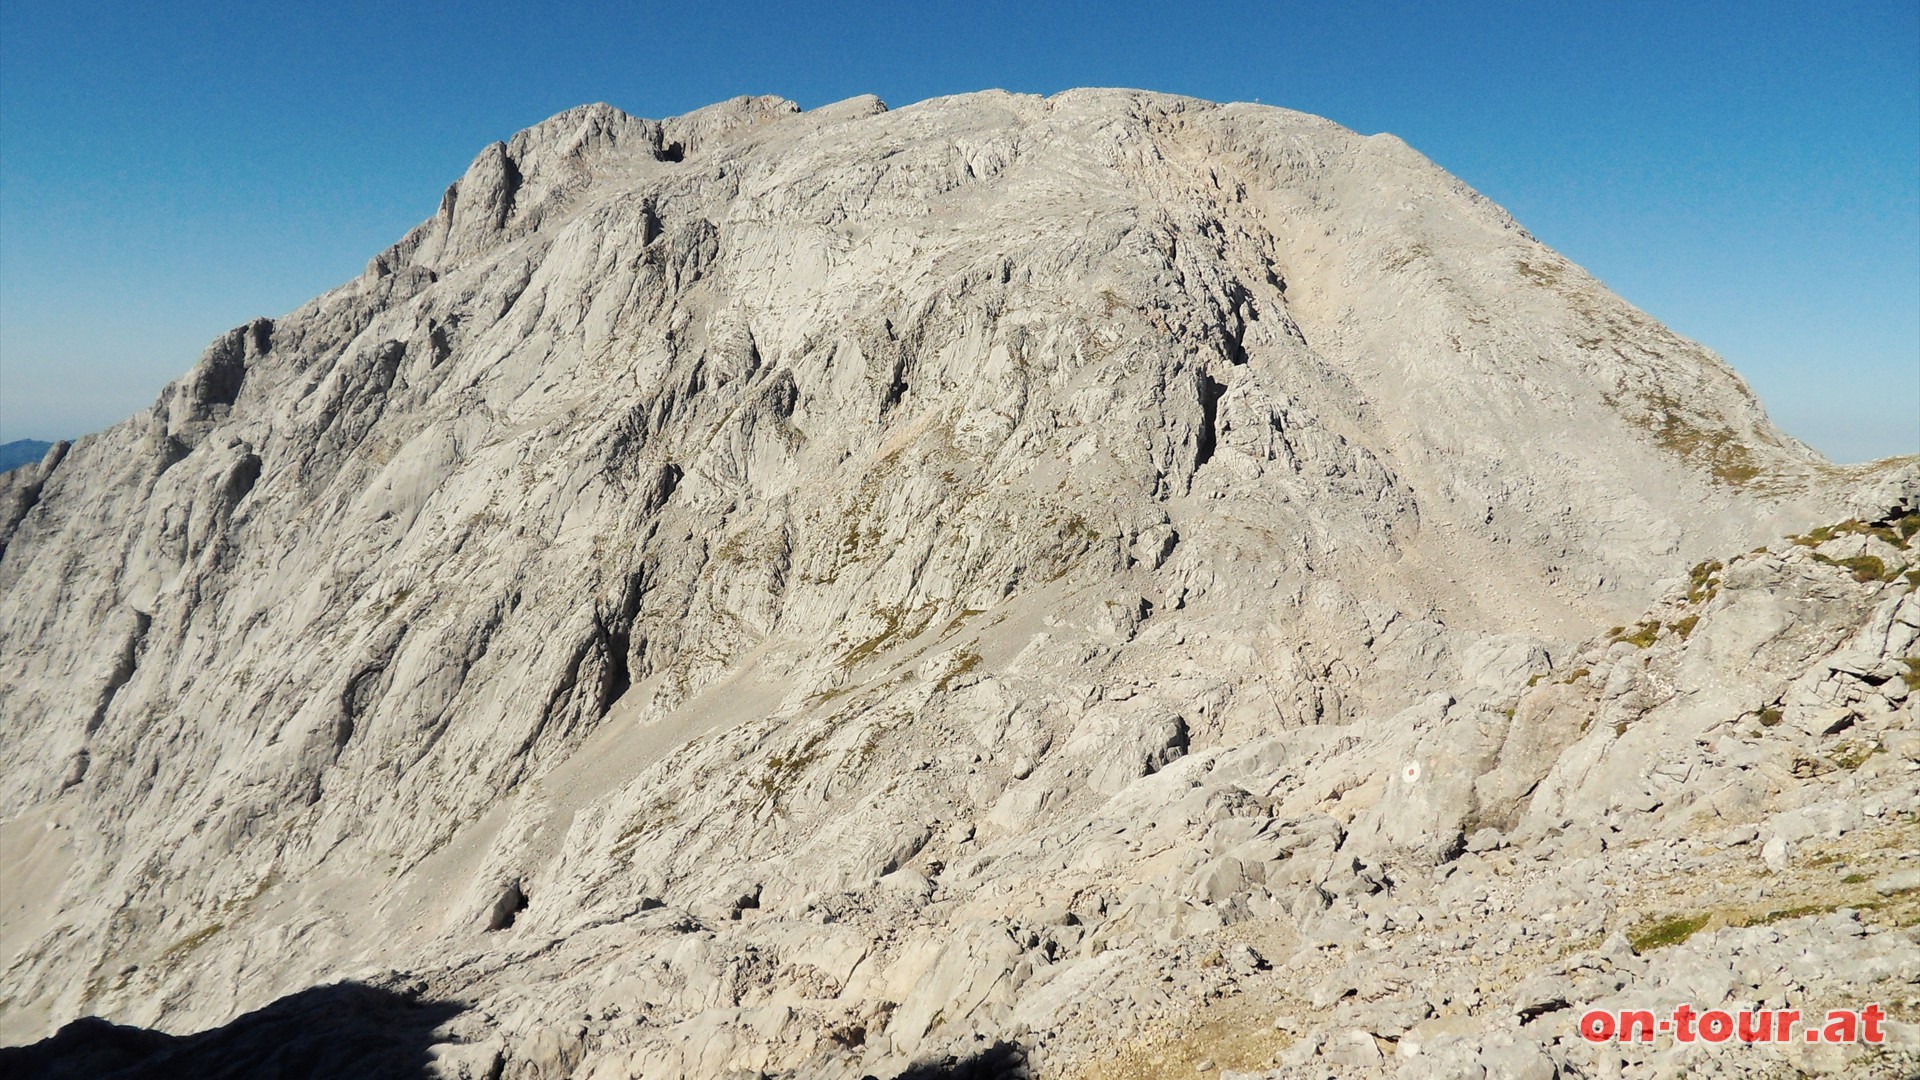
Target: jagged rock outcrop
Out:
[811,592]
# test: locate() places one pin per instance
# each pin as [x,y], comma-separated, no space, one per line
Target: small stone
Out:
[1774,853]
[1487,839]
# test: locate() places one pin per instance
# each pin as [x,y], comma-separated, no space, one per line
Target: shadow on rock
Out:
[1001,1061]
[346,1029]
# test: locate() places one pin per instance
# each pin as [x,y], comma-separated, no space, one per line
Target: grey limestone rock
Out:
[841,592]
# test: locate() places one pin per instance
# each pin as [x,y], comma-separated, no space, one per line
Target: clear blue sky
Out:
[1747,172]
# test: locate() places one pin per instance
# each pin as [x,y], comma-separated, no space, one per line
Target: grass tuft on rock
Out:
[1865,568]
[1640,637]
[1661,933]
[1703,581]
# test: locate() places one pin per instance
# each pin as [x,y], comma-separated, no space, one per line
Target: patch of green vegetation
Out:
[1770,716]
[1661,933]
[825,696]
[1816,537]
[966,662]
[1640,637]
[1782,914]
[955,623]
[1735,466]
[1534,680]
[1684,627]
[1576,675]
[657,814]
[1897,532]
[863,754]
[1821,907]
[1544,274]
[259,889]
[861,534]
[1853,755]
[897,624]
[1730,461]
[1911,676]
[1855,878]
[1406,256]
[1703,581]
[783,769]
[1077,527]
[1865,568]
[183,948]
[394,602]
[745,546]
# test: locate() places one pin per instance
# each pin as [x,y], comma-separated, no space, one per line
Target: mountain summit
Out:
[809,592]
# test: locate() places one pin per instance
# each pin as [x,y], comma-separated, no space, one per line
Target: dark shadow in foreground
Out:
[1001,1061]
[346,1029]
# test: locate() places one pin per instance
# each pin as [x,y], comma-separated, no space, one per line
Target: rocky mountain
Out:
[1078,586]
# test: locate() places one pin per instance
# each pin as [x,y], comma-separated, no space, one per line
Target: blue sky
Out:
[1749,173]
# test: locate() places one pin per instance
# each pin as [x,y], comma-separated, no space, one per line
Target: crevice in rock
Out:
[1533,1012]
[617,640]
[896,386]
[439,347]
[1234,344]
[665,482]
[649,223]
[597,673]
[512,901]
[123,668]
[221,374]
[1207,436]
[781,394]
[362,691]
[510,181]
[170,452]
[1233,336]
[245,474]
[899,376]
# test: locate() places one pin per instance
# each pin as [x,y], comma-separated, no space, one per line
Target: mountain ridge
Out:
[708,526]
[22,452]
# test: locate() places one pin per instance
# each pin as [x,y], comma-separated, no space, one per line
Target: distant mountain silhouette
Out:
[22,452]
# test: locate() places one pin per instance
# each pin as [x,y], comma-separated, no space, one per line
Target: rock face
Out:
[830,593]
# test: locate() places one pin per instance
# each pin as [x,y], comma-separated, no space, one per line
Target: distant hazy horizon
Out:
[1749,176]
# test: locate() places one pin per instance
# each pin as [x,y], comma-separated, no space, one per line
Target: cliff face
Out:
[727,563]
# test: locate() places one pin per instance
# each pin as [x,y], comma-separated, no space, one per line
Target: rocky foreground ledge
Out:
[1736,826]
